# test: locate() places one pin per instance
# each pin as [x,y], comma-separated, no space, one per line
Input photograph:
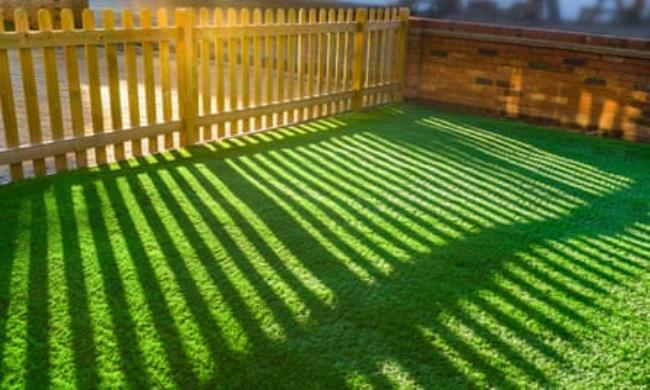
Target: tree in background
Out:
[434,8]
[616,12]
[553,10]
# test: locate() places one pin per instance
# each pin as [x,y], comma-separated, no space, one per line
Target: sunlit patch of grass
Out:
[401,247]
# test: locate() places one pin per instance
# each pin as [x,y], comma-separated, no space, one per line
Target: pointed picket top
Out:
[232,16]
[44,19]
[21,19]
[245,16]
[204,17]
[268,16]
[218,16]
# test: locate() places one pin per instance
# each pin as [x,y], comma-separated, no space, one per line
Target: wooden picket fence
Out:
[74,97]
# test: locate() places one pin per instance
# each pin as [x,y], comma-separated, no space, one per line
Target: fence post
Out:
[404,14]
[187,97]
[359,58]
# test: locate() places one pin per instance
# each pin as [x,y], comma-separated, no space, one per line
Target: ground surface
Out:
[402,247]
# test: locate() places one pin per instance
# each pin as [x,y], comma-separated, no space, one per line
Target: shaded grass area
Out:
[402,247]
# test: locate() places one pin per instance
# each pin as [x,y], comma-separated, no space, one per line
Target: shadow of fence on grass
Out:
[322,254]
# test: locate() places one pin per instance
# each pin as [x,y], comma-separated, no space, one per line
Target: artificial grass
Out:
[402,247]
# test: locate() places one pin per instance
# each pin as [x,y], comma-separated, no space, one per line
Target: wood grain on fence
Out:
[108,91]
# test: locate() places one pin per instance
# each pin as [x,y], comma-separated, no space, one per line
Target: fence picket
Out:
[370,58]
[245,69]
[32,107]
[340,57]
[52,87]
[291,64]
[302,55]
[359,59]
[232,68]
[320,61]
[268,66]
[185,52]
[311,64]
[349,53]
[392,40]
[149,78]
[92,67]
[131,67]
[376,97]
[8,107]
[394,48]
[74,88]
[257,67]
[280,66]
[113,83]
[330,58]
[220,68]
[165,76]
[383,37]
[204,53]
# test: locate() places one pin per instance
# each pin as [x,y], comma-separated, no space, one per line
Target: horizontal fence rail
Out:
[120,86]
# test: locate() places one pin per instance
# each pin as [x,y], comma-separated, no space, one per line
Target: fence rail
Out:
[73,97]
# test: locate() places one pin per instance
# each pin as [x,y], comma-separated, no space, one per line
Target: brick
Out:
[642,135]
[539,65]
[592,81]
[615,133]
[642,121]
[572,61]
[642,87]
[483,81]
[638,44]
[487,52]
[438,53]
[510,93]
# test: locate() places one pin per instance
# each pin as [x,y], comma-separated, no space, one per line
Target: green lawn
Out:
[402,247]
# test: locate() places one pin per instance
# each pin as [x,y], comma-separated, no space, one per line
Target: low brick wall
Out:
[596,83]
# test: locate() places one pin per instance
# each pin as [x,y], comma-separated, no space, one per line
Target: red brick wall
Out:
[596,83]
